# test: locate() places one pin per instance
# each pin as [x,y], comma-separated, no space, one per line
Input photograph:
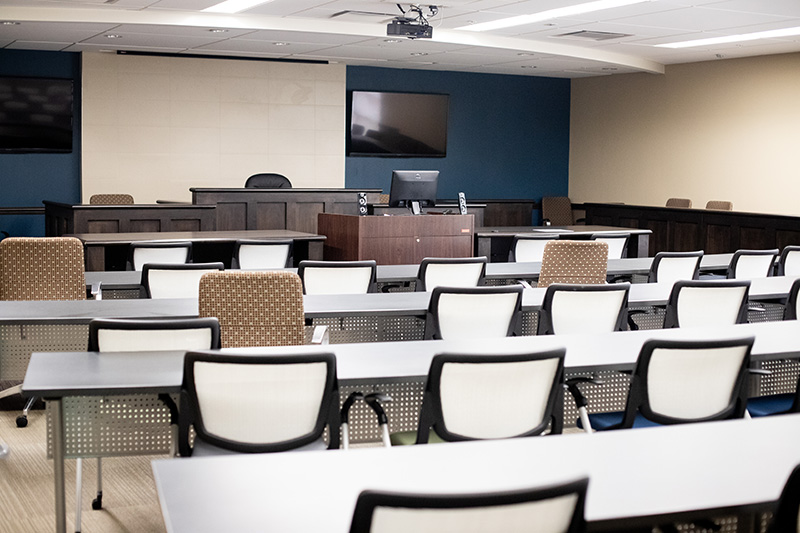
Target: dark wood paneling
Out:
[102,226]
[146,226]
[508,212]
[270,215]
[63,218]
[304,216]
[676,229]
[231,216]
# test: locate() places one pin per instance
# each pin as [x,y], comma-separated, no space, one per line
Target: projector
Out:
[412,30]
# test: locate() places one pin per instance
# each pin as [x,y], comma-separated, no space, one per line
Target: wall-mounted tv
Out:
[388,124]
[35,115]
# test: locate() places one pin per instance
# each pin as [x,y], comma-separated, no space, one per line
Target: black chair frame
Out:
[372,287]
[784,255]
[652,276]
[160,244]
[432,329]
[790,309]
[545,324]
[671,319]
[423,268]
[238,244]
[173,266]
[98,324]
[739,253]
[785,518]
[190,415]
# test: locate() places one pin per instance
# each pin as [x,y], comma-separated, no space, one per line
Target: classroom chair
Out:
[617,243]
[450,272]
[142,252]
[168,280]
[679,202]
[529,247]
[338,277]
[259,255]
[574,262]
[702,303]
[557,211]
[786,518]
[111,199]
[474,312]
[749,264]
[268,180]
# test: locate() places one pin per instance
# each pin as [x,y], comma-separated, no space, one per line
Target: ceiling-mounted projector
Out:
[412,23]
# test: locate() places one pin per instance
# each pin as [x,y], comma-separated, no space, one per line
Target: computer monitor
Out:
[413,188]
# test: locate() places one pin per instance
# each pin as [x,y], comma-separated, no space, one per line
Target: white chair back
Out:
[475,316]
[693,383]
[132,340]
[754,266]
[332,280]
[709,306]
[672,269]
[164,255]
[530,250]
[791,263]
[175,283]
[616,245]
[263,256]
[590,312]
[285,399]
[475,397]
[452,275]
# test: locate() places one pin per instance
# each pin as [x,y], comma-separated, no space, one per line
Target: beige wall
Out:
[727,130]
[155,126]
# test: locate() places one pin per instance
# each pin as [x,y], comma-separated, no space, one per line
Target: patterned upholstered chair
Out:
[576,262]
[679,202]
[254,308]
[720,205]
[40,268]
[111,199]
[383,199]
[557,211]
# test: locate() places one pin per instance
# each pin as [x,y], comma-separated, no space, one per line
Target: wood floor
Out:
[130,501]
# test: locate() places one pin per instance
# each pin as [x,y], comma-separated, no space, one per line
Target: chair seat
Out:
[770,405]
[603,421]
[407,438]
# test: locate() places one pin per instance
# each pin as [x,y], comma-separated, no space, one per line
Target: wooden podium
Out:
[396,240]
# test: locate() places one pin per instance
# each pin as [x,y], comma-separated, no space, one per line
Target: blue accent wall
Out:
[27,179]
[508,136]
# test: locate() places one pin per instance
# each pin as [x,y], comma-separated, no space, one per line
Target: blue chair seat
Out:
[603,421]
[769,405]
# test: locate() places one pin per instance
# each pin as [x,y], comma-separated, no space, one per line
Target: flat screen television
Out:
[35,115]
[413,188]
[387,124]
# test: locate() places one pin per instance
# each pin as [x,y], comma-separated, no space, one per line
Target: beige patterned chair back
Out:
[558,210]
[383,198]
[679,202]
[42,268]
[721,205]
[254,308]
[576,262]
[111,199]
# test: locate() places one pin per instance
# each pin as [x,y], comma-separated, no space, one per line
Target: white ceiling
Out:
[354,32]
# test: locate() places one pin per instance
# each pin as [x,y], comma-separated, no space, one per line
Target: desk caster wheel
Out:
[22,421]
[97,503]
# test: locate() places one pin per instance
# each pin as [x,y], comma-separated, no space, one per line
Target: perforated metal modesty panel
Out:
[402,411]
[17,342]
[97,426]
[370,329]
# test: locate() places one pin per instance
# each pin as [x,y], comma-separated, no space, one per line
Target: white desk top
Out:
[632,473]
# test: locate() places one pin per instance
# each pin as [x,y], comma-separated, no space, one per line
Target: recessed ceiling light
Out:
[280,43]
[10,23]
[567,11]
[769,34]
[234,6]
[218,30]
[113,36]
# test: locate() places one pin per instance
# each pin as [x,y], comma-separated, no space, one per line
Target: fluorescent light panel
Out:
[567,11]
[234,6]
[769,34]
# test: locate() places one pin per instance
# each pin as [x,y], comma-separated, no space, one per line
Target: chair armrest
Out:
[96,291]
[759,371]
[344,414]
[572,386]
[321,335]
[524,283]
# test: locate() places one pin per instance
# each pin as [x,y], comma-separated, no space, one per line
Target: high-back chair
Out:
[268,180]
[143,252]
[678,382]
[450,272]
[786,518]
[175,280]
[706,303]
[111,199]
[575,262]
[258,255]
[258,403]
[557,211]
[720,205]
[552,509]
[116,335]
[467,397]
[669,267]
[679,202]
[529,247]
[254,308]
[789,262]
[40,268]
[338,277]
[749,264]
[573,309]
[790,311]
[617,243]
[474,312]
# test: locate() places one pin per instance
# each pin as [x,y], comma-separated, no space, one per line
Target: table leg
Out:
[58,464]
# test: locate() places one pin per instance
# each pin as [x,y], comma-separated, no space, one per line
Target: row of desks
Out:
[58,376]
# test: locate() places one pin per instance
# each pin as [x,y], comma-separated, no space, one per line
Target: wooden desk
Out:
[495,243]
[637,477]
[292,209]
[396,240]
[61,218]
[104,250]
[677,229]
[61,375]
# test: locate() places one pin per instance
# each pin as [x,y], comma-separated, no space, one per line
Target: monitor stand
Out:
[415,208]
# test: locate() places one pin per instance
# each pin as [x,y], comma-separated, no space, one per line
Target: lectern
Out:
[396,240]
